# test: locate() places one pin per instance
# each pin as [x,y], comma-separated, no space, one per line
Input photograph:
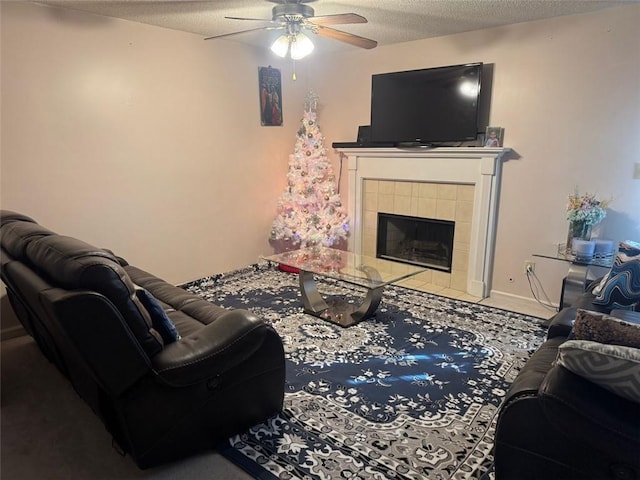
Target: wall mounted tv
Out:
[427,106]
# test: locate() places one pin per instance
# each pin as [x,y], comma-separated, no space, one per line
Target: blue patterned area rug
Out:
[410,394]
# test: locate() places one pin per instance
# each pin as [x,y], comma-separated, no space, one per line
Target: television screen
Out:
[426,106]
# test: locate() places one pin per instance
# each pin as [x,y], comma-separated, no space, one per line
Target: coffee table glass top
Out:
[362,270]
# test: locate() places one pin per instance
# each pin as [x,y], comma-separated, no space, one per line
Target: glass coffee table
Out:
[369,272]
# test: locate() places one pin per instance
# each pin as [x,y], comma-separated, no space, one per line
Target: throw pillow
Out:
[613,367]
[598,288]
[159,318]
[603,328]
[621,287]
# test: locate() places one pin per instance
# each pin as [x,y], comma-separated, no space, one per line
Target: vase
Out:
[580,230]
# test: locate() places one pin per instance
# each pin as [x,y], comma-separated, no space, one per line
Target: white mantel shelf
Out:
[450,152]
[478,166]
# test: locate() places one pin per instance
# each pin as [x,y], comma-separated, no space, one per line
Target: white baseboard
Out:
[510,297]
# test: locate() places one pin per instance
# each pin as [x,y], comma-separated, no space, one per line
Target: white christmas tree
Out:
[310,211]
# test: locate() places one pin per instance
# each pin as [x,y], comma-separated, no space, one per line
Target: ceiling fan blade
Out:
[242,31]
[293,1]
[337,19]
[252,19]
[345,37]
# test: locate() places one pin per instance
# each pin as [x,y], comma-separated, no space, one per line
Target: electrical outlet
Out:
[529,266]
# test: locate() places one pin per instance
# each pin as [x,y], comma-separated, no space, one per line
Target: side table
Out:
[574,283]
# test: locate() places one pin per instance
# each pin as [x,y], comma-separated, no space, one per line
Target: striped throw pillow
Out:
[613,367]
[621,287]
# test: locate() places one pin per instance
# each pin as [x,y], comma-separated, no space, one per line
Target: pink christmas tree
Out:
[310,211]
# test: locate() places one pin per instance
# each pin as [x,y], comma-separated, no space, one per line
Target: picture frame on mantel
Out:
[270,85]
[493,137]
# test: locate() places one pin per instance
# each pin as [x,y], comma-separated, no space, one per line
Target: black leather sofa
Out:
[160,399]
[556,425]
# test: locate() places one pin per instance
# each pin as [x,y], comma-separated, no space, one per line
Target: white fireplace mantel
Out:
[478,166]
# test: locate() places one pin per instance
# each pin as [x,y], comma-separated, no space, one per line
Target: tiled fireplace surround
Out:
[441,201]
[452,183]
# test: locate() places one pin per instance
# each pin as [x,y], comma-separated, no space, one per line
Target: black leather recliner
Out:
[556,425]
[160,401]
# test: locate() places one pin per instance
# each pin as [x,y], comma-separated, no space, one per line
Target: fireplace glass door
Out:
[418,241]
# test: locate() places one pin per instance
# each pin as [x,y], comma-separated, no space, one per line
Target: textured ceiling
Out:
[390,21]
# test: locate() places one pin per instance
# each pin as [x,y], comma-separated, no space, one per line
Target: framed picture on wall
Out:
[493,137]
[270,83]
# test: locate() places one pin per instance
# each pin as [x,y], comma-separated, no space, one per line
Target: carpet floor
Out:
[49,432]
[410,394]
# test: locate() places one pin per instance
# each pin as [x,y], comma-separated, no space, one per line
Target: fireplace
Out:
[420,241]
[466,182]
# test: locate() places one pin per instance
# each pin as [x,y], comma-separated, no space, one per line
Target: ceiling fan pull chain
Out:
[293,75]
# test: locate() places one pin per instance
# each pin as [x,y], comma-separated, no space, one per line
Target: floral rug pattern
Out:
[410,394]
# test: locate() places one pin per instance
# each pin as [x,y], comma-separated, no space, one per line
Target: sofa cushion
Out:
[614,367]
[191,311]
[603,328]
[620,288]
[75,265]
[17,235]
[159,318]
[8,216]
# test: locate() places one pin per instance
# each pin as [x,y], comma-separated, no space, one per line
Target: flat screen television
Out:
[427,106]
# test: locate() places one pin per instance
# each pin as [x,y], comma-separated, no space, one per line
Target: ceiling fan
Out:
[294,16]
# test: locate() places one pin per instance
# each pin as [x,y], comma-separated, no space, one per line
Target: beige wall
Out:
[566,92]
[147,140]
[140,139]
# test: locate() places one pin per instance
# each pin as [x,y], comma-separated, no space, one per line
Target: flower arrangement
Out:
[586,208]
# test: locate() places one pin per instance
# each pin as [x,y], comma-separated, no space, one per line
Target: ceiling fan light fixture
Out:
[301,46]
[281,46]
[292,16]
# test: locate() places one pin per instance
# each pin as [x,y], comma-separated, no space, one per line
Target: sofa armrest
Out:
[212,350]
[98,332]
[568,428]
[562,323]
[532,374]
